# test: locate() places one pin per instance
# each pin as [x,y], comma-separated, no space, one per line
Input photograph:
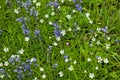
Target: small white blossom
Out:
[91,75]
[105,60]
[98,43]
[6,49]
[62,52]
[88,59]
[43,76]
[74,11]
[98,29]
[2,76]
[107,46]
[50,23]
[46,15]
[75,62]
[66,60]
[68,16]
[69,29]
[34,1]
[41,21]
[61,74]
[38,4]
[96,67]
[42,69]
[63,32]
[6,63]
[90,21]
[87,15]
[1,64]
[108,38]
[70,68]
[53,13]
[16,11]
[62,1]
[58,38]
[21,51]
[100,60]
[55,44]
[85,71]
[27,39]
[93,39]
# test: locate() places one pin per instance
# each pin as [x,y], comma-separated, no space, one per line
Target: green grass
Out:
[102,13]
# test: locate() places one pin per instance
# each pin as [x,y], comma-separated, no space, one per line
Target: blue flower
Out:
[37,32]
[55,4]
[78,7]
[57,33]
[26,31]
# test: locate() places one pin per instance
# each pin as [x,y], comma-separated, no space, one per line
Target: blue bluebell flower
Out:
[105,29]
[55,4]
[37,32]
[57,33]
[78,7]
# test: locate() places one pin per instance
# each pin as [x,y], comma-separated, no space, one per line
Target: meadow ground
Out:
[59,39]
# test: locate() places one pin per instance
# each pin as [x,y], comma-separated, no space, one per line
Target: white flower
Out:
[96,67]
[107,46]
[0,6]
[53,13]
[93,39]
[46,15]
[91,75]
[34,1]
[69,29]
[90,21]
[6,63]
[78,28]
[62,1]
[88,59]
[27,39]
[41,21]
[63,32]
[35,78]
[87,15]
[58,38]
[105,60]
[16,11]
[85,71]
[75,62]
[62,52]
[6,49]
[66,60]
[100,60]
[42,69]
[70,68]
[1,64]
[58,7]
[98,29]
[21,51]
[2,76]
[38,4]
[70,0]
[55,44]
[68,16]
[74,11]
[98,43]
[44,76]
[50,23]
[61,74]
[108,38]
